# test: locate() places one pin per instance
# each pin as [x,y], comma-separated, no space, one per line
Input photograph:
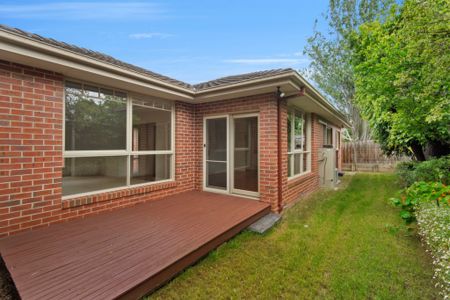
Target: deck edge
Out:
[164,276]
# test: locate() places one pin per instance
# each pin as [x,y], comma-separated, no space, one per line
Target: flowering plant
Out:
[434,228]
[421,192]
[429,204]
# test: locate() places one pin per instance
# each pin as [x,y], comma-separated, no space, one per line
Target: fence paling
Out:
[367,152]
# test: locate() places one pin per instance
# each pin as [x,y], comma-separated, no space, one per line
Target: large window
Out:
[299,143]
[113,140]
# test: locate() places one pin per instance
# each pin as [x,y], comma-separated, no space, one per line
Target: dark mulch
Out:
[7,289]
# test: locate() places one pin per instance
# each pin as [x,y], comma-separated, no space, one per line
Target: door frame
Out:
[230,155]
[231,150]
[206,188]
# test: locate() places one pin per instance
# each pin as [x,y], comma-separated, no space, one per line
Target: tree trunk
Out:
[417,149]
[439,148]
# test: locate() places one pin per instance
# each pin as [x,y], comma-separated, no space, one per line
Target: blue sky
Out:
[192,41]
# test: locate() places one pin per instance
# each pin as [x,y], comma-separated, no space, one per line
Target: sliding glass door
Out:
[231,162]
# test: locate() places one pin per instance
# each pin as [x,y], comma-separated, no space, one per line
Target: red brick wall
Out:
[30,146]
[31,120]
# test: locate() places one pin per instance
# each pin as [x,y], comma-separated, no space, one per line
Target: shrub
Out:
[426,199]
[437,169]
[405,171]
[434,170]
[429,204]
[421,192]
[434,228]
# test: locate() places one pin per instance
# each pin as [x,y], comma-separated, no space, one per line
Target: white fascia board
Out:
[317,96]
[332,112]
[28,49]
[248,90]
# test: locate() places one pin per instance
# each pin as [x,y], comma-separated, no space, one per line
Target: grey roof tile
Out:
[223,81]
[219,82]
[96,55]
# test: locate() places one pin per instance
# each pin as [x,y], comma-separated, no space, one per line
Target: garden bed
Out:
[7,288]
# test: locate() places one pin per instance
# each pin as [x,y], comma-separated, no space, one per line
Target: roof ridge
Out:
[221,81]
[94,54]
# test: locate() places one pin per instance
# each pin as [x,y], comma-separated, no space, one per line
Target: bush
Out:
[436,193]
[426,199]
[437,169]
[434,228]
[429,204]
[405,171]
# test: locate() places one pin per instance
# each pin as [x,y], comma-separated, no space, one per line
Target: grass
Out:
[348,244]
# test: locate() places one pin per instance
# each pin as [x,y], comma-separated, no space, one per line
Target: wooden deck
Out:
[124,253]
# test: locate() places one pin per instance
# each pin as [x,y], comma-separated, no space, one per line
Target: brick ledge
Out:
[295,181]
[106,196]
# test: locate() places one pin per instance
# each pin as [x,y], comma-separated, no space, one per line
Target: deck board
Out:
[126,252]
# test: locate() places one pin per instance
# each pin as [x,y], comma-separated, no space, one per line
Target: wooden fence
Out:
[367,156]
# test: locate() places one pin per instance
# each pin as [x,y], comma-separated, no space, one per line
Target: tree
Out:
[402,77]
[332,52]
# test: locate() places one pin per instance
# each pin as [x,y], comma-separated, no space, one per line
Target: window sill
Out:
[100,196]
[298,178]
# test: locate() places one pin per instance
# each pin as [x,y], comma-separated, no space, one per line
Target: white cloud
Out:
[268,61]
[83,10]
[150,35]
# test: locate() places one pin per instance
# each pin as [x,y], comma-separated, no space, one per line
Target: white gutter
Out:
[40,46]
[22,45]
[321,99]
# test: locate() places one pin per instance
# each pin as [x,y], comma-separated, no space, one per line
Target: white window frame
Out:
[131,99]
[325,127]
[292,151]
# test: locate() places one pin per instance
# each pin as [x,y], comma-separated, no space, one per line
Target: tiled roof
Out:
[224,81]
[95,55]
[240,78]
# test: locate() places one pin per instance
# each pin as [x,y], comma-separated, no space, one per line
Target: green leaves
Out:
[395,201]
[331,53]
[421,192]
[401,75]
[406,215]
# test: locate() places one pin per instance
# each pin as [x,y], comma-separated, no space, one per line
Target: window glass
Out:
[96,120]
[151,129]
[298,131]
[216,174]
[329,140]
[305,134]
[290,157]
[289,130]
[93,122]
[324,134]
[299,157]
[217,145]
[305,162]
[149,168]
[87,174]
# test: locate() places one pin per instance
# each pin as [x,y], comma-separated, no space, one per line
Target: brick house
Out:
[82,133]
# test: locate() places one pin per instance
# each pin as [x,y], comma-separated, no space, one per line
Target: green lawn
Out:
[348,244]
